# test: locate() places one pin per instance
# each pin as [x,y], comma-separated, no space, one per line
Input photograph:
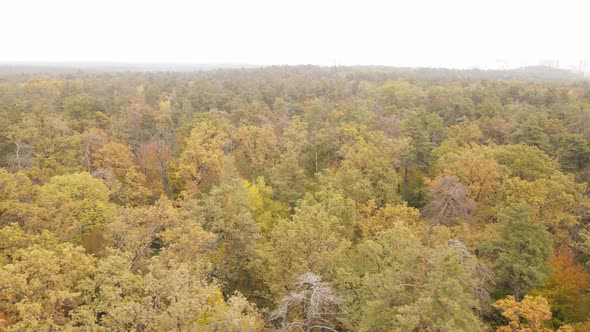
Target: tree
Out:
[53,146]
[114,164]
[39,285]
[378,220]
[170,296]
[372,156]
[157,156]
[397,96]
[310,242]
[258,145]
[557,202]
[394,283]
[476,168]
[450,201]
[179,299]
[202,159]
[532,132]
[526,162]
[526,315]
[522,251]
[288,178]
[265,210]
[425,131]
[112,296]
[566,288]
[72,206]
[311,306]
[226,212]
[138,230]
[17,195]
[573,153]
[92,141]
[79,108]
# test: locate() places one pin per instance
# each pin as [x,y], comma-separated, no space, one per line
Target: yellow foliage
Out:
[525,316]
[381,219]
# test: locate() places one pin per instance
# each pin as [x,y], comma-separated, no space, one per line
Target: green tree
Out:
[226,212]
[310,242]
[394,283]
[79,109]
[527,162]
[522,251]
[574,153]
[532,132]
[72,206]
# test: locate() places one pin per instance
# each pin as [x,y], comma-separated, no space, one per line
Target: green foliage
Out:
[173,201]
[79,109]
[72,205]
[526,162]
[394,283]
[522,251]
[574,153]
[226,211]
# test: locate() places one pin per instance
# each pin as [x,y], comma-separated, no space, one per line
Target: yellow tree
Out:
[114,164]
[556,201]
[39,285]
[137,230]
[17,194]
[378,220]
[525,316]
[258,145]
[265,210]
[475,168]
[202,159]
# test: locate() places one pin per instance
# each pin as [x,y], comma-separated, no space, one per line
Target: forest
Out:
[294,198]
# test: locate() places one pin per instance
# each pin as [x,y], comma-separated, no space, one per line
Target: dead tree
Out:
[450,201]
[313,306]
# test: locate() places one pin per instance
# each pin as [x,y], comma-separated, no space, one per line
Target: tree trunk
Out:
[517,291]
[405,188]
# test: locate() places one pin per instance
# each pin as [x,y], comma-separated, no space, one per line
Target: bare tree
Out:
[450,200]
[21,157]
[312,307]
[92,141]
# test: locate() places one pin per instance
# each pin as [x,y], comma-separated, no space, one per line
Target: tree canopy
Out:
[294,198]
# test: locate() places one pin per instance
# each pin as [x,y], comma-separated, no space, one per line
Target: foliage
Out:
[293,197]
[521,252]
[527,315]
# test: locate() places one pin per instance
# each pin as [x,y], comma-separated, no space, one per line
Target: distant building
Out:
[549,63]
[584,68]
[581,68]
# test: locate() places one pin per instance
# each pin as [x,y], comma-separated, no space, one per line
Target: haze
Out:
[457,34]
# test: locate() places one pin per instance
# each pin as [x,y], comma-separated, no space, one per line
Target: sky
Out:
[449,33]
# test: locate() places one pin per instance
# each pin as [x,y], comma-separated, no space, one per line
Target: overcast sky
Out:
[455,33]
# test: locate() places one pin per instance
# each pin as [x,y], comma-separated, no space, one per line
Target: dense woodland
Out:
[294,199]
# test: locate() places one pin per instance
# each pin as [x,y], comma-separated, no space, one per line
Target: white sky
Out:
[455,33]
